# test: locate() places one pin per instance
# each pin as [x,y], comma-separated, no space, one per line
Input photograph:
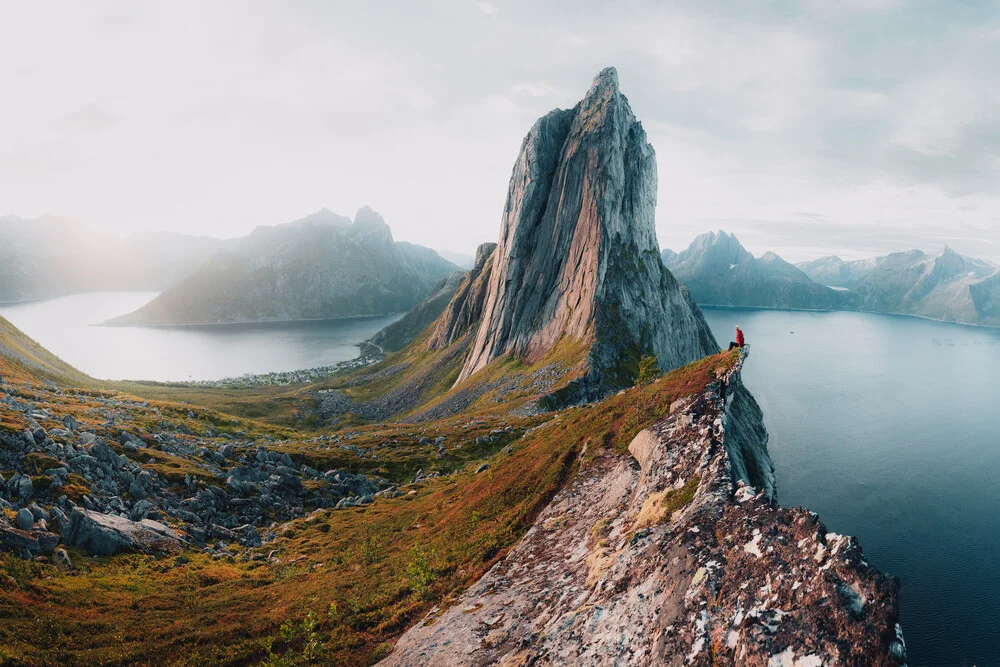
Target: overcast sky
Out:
[806,127]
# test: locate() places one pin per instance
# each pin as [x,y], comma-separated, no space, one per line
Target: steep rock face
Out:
[670,558]
[577,256]
[720,271]
[318,267]
[466,308]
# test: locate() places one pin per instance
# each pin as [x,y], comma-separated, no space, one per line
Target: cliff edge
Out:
[673,554]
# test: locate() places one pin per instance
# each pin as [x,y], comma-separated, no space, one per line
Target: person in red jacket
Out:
[740,342]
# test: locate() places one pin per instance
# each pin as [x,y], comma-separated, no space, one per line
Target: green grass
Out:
[680,498]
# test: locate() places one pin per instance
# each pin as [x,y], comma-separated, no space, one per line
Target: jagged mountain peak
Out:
[715,248]
[367,217]
[606,79]
[483,253]
[720,271]
[573,261]
[324,216]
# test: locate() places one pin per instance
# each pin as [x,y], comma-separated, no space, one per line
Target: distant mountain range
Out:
[322,266]
[718,270]
[460,259]
[50,256]
[945,286]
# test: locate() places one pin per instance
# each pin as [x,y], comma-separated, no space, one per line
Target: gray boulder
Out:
[24,520]
[107,535]
[15,539]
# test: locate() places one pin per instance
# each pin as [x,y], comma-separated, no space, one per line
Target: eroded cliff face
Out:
[466,307]
[578,257]
[669,557]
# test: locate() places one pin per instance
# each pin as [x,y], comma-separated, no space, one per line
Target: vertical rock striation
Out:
[466,307]
[578,258]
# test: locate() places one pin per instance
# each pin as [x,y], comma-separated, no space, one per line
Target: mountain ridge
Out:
[944,286]
[317,267]
[719,271]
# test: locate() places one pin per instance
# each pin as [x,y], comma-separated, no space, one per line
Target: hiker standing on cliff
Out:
[739,339]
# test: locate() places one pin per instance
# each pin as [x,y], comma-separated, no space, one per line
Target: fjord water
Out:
[888,427]
[65,327]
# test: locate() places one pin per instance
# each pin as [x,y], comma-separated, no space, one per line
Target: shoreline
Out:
[109,324]
[852,310]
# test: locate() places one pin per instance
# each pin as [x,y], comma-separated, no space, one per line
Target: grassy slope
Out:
[361,575]
[22,358]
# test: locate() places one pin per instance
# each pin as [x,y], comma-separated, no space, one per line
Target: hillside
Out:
[21,357]
[719,271]
[322,266]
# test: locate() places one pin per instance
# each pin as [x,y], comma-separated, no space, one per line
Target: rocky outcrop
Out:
[107,534]
[466,308]
[319,267]
[669,557]
[719,271]
[577,257]
[105,494]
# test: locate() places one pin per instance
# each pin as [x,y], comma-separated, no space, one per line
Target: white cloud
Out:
[235,113]
[92,117]
[576,41]
[535,89]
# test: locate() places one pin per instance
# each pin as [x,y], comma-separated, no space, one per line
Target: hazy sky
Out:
[805,127]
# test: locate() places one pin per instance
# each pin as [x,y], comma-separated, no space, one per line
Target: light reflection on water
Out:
[66,327]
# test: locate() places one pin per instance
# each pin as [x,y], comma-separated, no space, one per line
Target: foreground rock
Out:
[668,557]
[578,257]
[109,488]
[107,535]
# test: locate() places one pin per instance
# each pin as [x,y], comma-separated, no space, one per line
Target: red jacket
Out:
[739,337]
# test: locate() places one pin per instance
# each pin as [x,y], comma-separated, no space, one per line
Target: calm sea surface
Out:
[889,428]
[65,327]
